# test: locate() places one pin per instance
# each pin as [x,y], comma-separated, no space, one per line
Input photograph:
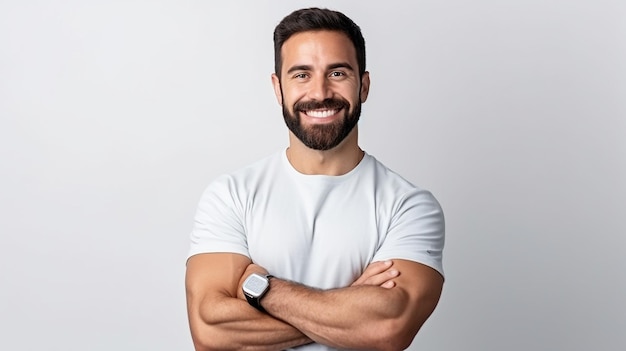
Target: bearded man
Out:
[319,246]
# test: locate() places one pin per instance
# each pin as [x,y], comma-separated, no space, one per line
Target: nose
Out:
[319,89]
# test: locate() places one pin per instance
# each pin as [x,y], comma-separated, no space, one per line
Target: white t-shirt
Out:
[318,230]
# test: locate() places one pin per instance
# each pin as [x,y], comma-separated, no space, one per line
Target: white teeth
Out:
[321,113]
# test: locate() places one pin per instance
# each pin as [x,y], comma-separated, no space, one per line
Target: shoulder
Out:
[389,182]
[414,220]
[405,201]
[249,174]
[233,188]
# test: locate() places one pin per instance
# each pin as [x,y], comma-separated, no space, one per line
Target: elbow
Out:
[208,332]
[203,340]
[396,332]
[207,347]
[208,335]
[209,339]
[393,335]
[200,345]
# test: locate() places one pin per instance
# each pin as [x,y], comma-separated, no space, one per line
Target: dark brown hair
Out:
[314,19]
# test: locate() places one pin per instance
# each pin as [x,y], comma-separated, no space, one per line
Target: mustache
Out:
[326,104]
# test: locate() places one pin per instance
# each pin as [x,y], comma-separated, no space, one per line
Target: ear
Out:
[276,84]
[365,86]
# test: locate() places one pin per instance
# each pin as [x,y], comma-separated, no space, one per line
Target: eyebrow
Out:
[331,66]
[341,65]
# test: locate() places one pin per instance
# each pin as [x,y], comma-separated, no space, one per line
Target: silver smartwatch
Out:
[254,287]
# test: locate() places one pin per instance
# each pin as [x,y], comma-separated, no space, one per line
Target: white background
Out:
[115,115]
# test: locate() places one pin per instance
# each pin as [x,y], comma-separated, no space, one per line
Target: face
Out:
[320,89]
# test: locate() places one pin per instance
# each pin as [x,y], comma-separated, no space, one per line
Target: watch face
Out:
[255,285]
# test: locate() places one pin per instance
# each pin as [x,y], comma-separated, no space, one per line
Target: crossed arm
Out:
[382,310]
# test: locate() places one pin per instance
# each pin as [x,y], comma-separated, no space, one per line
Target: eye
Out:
[300,76]
[337,74]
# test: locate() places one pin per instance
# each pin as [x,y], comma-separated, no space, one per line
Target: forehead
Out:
[318,47]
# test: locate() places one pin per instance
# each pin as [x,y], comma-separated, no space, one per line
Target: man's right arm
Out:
[219,320]
[219,317]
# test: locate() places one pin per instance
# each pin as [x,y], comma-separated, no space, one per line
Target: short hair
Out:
[316,19]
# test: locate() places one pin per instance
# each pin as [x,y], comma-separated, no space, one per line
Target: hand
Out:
[252,268]
[378,273]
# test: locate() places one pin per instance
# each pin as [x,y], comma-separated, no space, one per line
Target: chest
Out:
[323,240]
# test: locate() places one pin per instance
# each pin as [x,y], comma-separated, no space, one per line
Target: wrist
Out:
[254,289]
[250,269]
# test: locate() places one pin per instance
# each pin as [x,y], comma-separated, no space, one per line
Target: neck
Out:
[336,161]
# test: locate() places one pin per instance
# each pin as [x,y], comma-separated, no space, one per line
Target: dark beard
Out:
[322,136]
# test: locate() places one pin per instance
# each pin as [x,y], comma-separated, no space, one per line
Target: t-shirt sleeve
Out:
[218,223]
[416,231]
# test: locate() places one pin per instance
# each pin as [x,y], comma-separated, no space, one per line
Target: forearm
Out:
[231,324]
[357,317]
[219,320]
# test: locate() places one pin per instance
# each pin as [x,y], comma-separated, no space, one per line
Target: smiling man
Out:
[320,246]
[321,113]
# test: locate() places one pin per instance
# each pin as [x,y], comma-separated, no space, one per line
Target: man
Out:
[354,249]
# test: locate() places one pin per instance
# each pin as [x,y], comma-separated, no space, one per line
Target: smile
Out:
[321,113]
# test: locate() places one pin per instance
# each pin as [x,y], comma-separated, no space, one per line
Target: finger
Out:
[380,278]
[383,277]
[388,284]
[373,269]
